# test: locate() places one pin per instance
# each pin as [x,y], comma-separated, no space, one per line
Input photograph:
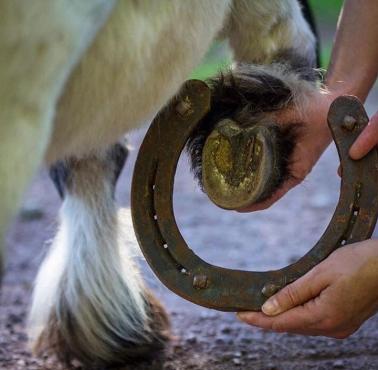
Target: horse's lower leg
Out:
[89,301]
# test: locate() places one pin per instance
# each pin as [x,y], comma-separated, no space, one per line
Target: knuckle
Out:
[316,270]
[291,295]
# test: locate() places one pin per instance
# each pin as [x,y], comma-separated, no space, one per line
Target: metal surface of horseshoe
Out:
[178,267]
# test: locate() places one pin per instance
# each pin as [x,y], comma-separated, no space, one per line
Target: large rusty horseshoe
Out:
[223,289]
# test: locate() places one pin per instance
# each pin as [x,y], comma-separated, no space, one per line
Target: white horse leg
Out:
[89,300]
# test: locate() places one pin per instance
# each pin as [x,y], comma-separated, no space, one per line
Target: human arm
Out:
[354,60]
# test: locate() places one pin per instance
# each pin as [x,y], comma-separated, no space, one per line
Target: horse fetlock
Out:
[89,301]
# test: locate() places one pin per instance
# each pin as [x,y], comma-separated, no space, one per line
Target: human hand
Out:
[312,142]
[367,140]
[333,299]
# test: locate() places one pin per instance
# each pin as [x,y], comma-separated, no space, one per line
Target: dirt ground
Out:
[204,339]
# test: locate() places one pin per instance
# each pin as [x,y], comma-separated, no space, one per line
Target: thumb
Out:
[299,292]
[367,139]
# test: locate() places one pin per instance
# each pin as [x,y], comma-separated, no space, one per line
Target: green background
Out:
[325,12]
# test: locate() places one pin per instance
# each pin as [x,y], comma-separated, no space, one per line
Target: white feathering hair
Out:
[88,292]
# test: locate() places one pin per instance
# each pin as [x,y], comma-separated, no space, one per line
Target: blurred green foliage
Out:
[325,12]
[217,59]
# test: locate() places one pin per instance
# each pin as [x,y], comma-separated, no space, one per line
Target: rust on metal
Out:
[178,267]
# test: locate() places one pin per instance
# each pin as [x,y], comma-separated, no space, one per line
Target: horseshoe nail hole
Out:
[358,190]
